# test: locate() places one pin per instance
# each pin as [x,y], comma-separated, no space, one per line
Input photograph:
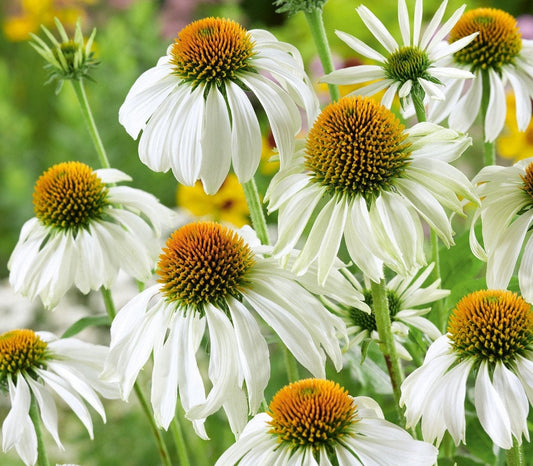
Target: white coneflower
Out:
[370,180]
[214,283]
[316,422]
[497,56]
[37,365]
[193,109]
[490,333]
[85,230]
[414,67]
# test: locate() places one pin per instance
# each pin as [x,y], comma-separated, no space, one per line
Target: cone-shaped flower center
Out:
[68,196]
[20,350]
[528,181]
[211,51]
[312,413]
[407,63]
[368,321]
[356,146]
[498,41]
[492,325]
[204,263]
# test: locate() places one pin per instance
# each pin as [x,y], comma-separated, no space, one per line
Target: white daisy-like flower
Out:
[193,109]
[414,67]
[498,56]
[506,212]
[405,297]
[490,333]
[214,283]
[316,422]
[36,365]
[85,230]
[369,180]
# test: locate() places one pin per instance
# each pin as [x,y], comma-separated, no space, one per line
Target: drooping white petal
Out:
[467,108]
[496,109]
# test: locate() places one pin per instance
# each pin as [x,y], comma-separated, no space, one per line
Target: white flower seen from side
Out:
[192,107]
[371,181]
[315,421]
[498,57]
[490,334]
[38,365]
[214,283]
[415,67]
[85,230]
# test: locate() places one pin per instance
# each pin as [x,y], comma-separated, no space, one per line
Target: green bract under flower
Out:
[368,321]
[498,43]
[68,59]
[294,6]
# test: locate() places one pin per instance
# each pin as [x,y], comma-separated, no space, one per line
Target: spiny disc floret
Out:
[312,413]
[211,51]
[498,43]
[492,325]
[69,196]
[356,147]
[202,263]
[408,64]
[20,351]
[368,321]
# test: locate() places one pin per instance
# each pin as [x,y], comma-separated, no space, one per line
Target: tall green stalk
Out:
[515,455]
[42,457]
[315,21]
[256,210]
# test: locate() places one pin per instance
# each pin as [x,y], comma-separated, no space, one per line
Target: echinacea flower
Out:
[316,422]
[490,334]
[214,283]
[414,67]
[84,231]
[370,180]
[36,365]
[506,216]
[497,56]
[193,109]
[405,296]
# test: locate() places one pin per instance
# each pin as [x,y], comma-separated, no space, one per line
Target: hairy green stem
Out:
[79,89]
[179,440]
[315,21]
[160,441]
[489,149]
[42,457]
[256,210]
[515,455]
[383,324]
[418,94]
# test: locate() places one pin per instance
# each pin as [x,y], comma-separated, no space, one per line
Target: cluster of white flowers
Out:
[360,181]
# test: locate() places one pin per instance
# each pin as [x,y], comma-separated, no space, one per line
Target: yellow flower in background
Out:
[26,16]
[513,143]
[228,205]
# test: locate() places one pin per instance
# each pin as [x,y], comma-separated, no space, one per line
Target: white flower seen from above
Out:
[490,333]
[214,283]
[497,56]
[85,230]
[316,422]
[414,67]
[506,216]
[38,365]
[370,180]
[193,111]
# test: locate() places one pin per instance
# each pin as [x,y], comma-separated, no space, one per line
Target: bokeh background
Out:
[39,129]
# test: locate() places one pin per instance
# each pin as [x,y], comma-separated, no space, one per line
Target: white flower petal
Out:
[377,28]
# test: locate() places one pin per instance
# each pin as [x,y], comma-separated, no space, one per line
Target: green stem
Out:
[42,457]
[256,210]
[179,440]
[315,21]
[438,306]
[418,94]
[291,366]
[383,324]
[160,441]
[489,149]
[79,89]
[515,455]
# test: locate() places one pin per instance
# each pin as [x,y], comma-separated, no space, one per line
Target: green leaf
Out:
[84,322]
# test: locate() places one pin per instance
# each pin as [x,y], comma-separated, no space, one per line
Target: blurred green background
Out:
[39,129]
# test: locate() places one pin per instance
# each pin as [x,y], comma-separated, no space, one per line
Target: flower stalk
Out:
[42,457]
[179,440]
[515,455]
[256,210]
